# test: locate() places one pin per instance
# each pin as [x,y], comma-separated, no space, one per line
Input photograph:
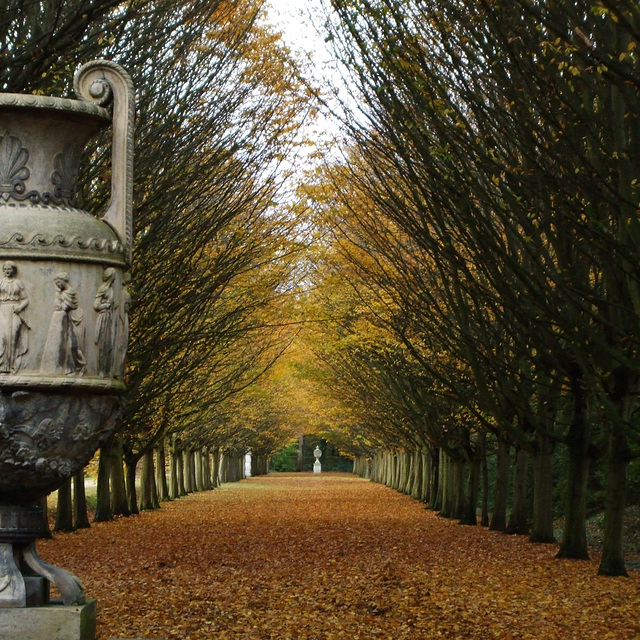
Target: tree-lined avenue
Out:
[304,556]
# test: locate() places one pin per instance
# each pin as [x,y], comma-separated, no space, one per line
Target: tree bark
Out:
[206,469]
[44,507]
[439,484]
[300,450]
[103,492]
[459,468]
[542,526]
[174,456]
[574,539]
[518,519]
[182,488]
[161,475]
[425,471]
[484,510]
[499,517]
[451,479]
[188,475]
[119,506]
[612,561]
[434,475]
[148,493]
[64,512]
[80,501]
[198,464]
[415,489]
[469,515]
[131,463]
[215,471]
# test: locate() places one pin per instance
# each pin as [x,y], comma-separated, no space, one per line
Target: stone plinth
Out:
[49,622]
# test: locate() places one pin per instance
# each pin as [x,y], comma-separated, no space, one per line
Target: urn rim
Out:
[50,103]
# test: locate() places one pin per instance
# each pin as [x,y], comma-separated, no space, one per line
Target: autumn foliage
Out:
[302,556]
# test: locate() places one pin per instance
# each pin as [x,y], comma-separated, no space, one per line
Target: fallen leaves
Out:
[322,557]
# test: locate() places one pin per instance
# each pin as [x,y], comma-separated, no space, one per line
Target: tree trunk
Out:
[148,492]
[449,477]
[182,489]
[518,520]
[574,539]
[300,450]
[415,490]
[198,464]
[174,456]
[44,507]
[119,506]
[64,512]
[434,485]
[439,484]
[484,510]
[390,469]
[612,561]
[161,475]
[103,492]
[215,471]
[542,526]
[499,517]
[80,501]
[224,463]
[400,470]
[425,470]
[459,494]
[469,516]
[192,470]
[131,463]
[206,469]
[408,473]
[188,474]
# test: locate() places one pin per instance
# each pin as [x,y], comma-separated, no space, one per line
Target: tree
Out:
[210,246]
[490,120]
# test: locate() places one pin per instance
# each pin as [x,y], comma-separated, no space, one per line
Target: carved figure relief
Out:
[122,331]
[63,348]
[105,329]
[14,337]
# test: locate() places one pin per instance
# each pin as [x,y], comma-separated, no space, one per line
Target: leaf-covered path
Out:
[333,556]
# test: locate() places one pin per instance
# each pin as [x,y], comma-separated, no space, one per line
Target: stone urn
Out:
[63,310]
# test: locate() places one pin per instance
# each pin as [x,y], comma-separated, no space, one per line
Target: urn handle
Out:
[105,82]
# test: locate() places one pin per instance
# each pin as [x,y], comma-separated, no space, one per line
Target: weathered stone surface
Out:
[37,591]
[51,622]
[46,437]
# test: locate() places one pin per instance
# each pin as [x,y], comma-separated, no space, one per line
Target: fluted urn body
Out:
[63,290]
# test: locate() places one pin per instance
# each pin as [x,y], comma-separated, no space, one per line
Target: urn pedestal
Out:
[63,311]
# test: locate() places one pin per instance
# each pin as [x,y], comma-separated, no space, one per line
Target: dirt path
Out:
[304,557]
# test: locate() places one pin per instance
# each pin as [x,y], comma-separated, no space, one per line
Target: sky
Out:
[296,19]
[301,24]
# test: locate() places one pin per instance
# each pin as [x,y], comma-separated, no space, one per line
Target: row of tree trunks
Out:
[456,487]
[166,473]
[459,487]
[362,467]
